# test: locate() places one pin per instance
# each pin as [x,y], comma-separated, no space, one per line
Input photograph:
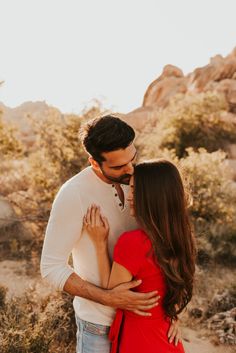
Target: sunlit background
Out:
[68,52]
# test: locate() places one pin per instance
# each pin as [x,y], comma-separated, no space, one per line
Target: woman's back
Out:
[141,334]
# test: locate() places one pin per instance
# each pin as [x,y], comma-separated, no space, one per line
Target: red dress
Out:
[131,332]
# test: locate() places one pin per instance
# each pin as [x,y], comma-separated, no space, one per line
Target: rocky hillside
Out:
[218,76]
[20,117]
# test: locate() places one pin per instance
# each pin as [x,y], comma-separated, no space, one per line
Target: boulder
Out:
[217,70]
[219,75]
[170,83]
[228,88]
[138,118]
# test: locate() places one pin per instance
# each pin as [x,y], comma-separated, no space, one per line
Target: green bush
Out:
[213,209]
[192,120]
[58,153]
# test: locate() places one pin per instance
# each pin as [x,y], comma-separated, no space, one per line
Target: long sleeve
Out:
[63,231]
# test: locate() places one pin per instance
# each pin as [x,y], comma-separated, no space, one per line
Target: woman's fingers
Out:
[174,333]
[105,222]
[98,216]
[87,216]
[94,218]
[84,221]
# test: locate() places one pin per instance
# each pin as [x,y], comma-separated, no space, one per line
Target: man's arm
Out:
[119,297]
[63,231]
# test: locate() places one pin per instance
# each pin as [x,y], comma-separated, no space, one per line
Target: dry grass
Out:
[209,282]
[30,324]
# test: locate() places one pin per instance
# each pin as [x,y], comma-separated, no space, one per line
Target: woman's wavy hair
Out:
[160,205]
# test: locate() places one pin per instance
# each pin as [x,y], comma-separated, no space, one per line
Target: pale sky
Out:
[68,52]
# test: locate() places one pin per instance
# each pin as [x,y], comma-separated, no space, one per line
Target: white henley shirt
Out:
[64,235]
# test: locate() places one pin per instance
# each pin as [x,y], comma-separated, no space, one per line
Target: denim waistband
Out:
[96,329]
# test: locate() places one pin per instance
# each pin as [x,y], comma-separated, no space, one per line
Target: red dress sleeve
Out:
[129,251]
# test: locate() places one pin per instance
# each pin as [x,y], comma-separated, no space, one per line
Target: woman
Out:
[161,253]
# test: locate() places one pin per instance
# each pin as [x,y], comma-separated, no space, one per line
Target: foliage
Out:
[10,146]
[193,120]
[3,292]
[213,209]
[58,155]
[31,182]
[32,325]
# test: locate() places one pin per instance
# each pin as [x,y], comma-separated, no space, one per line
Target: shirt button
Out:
[115,194]
[120,204]
[113,185]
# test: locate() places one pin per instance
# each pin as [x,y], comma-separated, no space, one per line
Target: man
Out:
[109,144]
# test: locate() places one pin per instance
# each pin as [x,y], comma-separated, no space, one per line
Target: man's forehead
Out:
[119,157]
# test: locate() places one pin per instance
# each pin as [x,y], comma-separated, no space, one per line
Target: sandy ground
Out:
[14,275]
[194,343]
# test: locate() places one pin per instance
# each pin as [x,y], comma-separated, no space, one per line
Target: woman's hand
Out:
[174,333]
[97,226]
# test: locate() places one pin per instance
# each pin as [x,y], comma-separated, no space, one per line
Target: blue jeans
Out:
[91,338]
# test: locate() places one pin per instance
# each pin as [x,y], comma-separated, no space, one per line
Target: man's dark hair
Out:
[105,134]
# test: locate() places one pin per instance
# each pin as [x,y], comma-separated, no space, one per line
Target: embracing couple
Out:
[133,250]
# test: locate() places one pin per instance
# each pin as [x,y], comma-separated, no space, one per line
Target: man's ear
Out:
[94,163]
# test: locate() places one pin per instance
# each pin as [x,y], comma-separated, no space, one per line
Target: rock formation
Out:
[219,76]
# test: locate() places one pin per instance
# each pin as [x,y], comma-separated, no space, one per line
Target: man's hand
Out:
[174,333]
[122,297]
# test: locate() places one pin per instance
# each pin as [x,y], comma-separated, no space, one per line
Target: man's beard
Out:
[123,179]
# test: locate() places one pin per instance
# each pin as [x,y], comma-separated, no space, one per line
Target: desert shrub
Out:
[57,157]
[222,301]
[30,180]
[32,325]
[59,154]
[213,209]
[3,292]
[10,146]
[193,120]
[13,175]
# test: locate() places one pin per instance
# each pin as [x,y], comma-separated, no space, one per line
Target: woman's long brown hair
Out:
[161,210]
